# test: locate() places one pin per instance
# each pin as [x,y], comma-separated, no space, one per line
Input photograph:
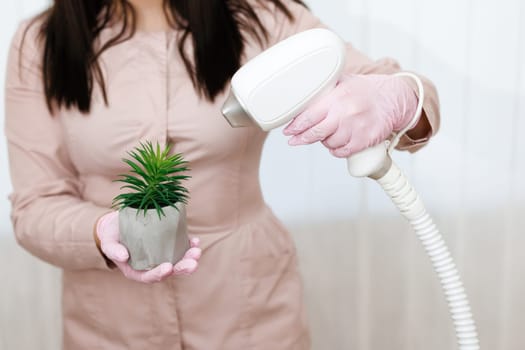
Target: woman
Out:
[88,79]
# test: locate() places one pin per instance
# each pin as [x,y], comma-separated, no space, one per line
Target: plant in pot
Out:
[152,212]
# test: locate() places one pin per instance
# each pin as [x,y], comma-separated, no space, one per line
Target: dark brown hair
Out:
[217,28]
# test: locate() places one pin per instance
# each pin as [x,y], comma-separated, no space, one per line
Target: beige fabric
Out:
[62,170]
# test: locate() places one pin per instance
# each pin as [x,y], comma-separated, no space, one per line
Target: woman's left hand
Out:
[360,112]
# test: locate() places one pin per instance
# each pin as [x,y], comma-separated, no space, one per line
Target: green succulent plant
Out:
[154,180]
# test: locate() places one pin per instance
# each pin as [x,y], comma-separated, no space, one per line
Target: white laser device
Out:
[281,82]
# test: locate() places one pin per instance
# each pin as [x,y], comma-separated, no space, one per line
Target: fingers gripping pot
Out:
[281,82]
[152,217]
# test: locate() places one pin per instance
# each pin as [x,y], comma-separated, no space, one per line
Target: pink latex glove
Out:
[360,112]
[107,231]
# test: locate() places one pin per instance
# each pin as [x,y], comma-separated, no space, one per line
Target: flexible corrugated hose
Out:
[406,199]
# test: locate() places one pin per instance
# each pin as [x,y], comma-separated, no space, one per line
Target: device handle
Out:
[373,161]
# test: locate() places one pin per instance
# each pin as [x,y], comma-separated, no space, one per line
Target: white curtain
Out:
[368,283]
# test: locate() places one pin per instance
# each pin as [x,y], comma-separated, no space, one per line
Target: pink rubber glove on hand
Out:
[360,112]
[107,231]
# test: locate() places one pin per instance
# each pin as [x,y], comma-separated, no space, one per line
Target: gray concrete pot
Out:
[152,241]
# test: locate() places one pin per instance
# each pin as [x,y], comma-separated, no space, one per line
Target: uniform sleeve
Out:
[281,27]
[49,217]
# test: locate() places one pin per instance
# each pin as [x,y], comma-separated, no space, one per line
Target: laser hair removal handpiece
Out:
[278,84]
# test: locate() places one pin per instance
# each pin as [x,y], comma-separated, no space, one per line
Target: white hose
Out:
[396,185]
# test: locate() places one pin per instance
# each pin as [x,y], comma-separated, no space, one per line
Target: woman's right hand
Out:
[107,232]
